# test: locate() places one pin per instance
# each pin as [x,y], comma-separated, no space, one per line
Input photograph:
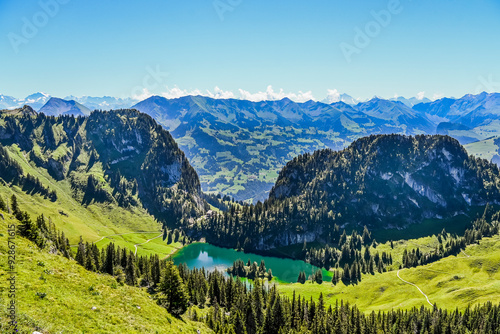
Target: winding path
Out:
[115,235]
[416,287]
[135,253]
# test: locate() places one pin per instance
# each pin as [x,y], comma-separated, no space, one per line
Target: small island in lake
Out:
[250,270]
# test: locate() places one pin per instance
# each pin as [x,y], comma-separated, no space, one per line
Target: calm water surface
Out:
[212,257]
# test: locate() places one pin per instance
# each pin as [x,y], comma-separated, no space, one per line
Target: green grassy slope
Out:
[485,149]
[71,292]
[92,222]
[456,281]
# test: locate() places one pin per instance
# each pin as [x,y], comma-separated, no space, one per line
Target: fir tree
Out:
[3,206]
[15,208]
[80,253]
[173,295]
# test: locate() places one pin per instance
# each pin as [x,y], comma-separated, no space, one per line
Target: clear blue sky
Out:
[105,47]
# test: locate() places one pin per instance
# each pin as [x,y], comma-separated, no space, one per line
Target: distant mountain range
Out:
[35,101]
[38,100]
[239,146]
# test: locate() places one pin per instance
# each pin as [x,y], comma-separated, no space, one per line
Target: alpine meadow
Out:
[197,167]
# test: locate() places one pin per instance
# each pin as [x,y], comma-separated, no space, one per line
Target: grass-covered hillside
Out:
[488,149]
[56,295]
[470,277]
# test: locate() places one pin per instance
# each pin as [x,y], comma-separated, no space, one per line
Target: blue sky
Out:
[117,48]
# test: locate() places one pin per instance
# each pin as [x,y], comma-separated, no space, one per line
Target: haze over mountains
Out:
[238,146]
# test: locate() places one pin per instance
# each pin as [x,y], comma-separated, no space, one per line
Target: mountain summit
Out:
[56,107]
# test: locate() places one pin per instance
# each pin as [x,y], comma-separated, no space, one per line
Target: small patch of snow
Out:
[386,176]
[457,174]
[118,160]
[467,199]
[447,154]
[414,202]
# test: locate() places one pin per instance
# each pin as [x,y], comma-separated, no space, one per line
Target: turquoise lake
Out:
[211,257]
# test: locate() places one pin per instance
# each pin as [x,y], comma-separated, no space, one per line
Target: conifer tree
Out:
[14,206]
[80,253]
[3,206]
[89,258]
[173,294]
[110,258]
[130,270]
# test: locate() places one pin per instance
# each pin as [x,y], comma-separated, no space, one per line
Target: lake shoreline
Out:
[205,255]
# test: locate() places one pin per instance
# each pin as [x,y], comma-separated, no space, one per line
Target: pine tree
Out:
[3,206]
[319,326]
[89,257]
[97,257]
[250,317]
[130,270]
[318,276]
[80,253]
[27,228]
[110,259]
[15,208]
[258,302]
[174,296]
[155,269]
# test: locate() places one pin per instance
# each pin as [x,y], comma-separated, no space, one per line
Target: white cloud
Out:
[437,96]
[176,92]
[332,96]
[145,94]
[220,94]
[271,95]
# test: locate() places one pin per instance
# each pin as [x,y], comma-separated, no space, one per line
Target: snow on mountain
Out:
[36,101]
[334,96]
